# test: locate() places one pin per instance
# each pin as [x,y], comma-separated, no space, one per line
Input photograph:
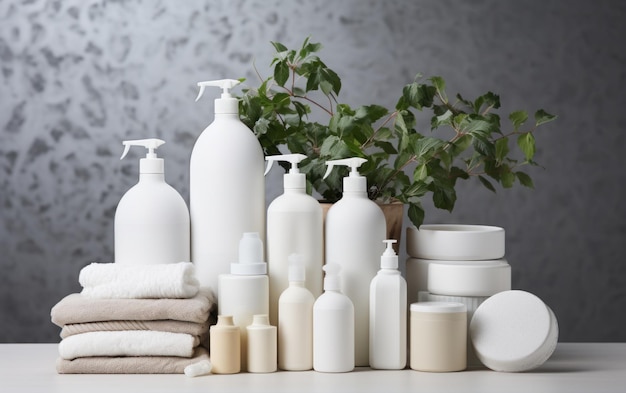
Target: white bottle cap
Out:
[438,307]
[389,259]
[297,272]
[250,256]
[226,104]
[455,242]
[332,280]
[514,331]
[150,164]
[469,278]
[354,182]
[294,179]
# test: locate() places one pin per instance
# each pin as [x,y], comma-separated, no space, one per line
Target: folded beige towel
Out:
[195,329]
[130,364]
[128,343]
[76,308]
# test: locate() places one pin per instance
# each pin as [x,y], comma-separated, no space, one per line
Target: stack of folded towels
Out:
[148,319]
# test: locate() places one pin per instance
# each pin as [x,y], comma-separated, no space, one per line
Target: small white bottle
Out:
[245,292]
[355,229]
[227,188]
[152,220]
[333,326]
[261,345]
[294,225]
[388,309]
[295,320]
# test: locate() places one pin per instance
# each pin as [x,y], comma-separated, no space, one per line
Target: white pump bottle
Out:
[388,311]
[355,229]
[333,326]
[227,188]
[151,220]
[294,225]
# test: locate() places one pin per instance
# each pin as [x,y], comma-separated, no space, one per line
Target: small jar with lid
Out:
[438,336]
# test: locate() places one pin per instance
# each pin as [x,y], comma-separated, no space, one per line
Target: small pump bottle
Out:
[151,221]
[333,326]
[245,291]
[294,225]
[261,345]
[225,346]
[295,320]
[388,309]
[355,230]
[227,187]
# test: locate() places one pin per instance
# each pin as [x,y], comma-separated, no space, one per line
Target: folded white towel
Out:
[127,343]
[111,280]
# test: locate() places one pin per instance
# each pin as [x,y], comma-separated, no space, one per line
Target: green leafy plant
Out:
[463,140]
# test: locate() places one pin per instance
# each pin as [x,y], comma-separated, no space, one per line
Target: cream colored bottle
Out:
[225,346]
[295,320]
[261,345]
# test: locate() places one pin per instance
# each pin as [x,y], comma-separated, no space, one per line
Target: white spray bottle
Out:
[151,221]
[227,188]
[388,311]
[333,326]
[355,229]
[294,225]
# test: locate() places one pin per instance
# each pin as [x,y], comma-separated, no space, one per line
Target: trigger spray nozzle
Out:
[293,159]
[224,84]
[354,163]
[151,144]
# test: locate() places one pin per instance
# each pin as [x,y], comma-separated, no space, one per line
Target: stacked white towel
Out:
[133,319]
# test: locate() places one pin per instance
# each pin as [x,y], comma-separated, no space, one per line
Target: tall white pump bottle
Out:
[294,225]
[227,188]
[151,223]
[388,311]
[355,230]
[333,326]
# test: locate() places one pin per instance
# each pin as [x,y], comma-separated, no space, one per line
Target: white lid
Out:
[332,280]
[455,242]
[389,259]
[514,331]
[353,182]
[260,320]
[297,272]
[250,256]
[293,179]
[227,104]
[150,164]
[438,307]
[469,278]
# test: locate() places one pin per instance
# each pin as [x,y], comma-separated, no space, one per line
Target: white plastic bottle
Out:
[295,320]
[261,345]
[333,326]
[245,292]
[152,220]
[294,225]
[388,311]
[355,229]
[227,188]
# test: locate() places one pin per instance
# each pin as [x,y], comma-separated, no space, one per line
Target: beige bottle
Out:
[261,345]
[225,344]
[438,336]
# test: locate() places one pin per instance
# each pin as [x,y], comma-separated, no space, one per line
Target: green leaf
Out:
[279,47]
[486,183]
[426,147]
[524,179]
[440,85]
[542,117]
[444,197]
[385,146]
[420,173]
[281,73]
[416,214]
[489,100]
[507,178]
[526,143]
[502,149]
[331,81]
[518,118]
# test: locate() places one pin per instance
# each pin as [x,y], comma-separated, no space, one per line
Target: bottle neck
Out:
[297,284]
[227,116]
[152,177]
[295,191]
[355,194]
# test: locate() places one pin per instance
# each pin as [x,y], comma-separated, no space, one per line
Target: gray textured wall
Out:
[77,77]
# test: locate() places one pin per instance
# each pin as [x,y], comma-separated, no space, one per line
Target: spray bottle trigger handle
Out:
[126,149]
[329,169]
[201,92]
[270,162]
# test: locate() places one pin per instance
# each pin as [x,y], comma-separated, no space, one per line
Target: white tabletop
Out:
[574,367]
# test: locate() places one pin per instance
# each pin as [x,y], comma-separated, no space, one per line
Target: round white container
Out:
[514,331]
[438,336]
[455,242]
[469,278]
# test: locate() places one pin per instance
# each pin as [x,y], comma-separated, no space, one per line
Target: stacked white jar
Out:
[457,263]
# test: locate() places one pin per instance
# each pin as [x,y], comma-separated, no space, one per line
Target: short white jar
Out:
[438,336]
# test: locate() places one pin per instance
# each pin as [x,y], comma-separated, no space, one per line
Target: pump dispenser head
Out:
[332,281]
[354,182]
[150,164]
[294,179]
[250,256]
[297,272]
[227,104]
[389,259]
